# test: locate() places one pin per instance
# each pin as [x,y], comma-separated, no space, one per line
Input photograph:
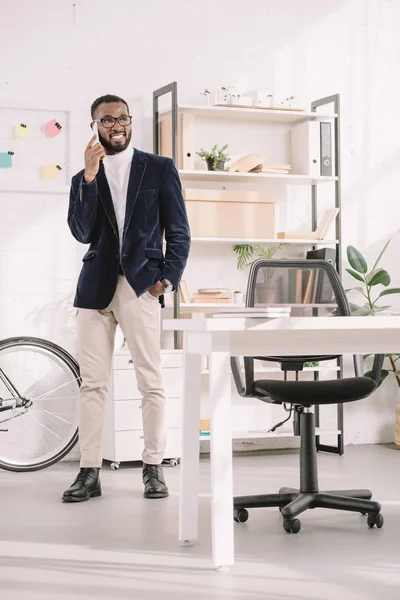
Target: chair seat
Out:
[309,393]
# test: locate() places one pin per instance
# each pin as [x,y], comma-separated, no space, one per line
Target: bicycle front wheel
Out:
[47,379]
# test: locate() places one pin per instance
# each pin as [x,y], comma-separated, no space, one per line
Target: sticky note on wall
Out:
[5,160]
[50,171]
[52,128]
[21,130]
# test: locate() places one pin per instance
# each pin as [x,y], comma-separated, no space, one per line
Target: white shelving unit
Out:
[215,120]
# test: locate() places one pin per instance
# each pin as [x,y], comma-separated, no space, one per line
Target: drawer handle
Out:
[142,437]
[130,361]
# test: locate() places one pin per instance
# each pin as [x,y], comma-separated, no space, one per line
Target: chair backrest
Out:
[311,288]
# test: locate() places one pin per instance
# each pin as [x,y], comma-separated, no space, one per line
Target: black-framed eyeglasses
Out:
[109,122]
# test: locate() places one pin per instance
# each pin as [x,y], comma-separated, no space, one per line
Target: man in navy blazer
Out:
[123,203]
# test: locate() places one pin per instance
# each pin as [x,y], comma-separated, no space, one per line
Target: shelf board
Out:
[300,242]
[245,435]
[267,115]
[225,176]
[210,307]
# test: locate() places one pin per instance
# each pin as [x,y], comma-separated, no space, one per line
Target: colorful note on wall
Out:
[52,128]
[6,160]
[50,171]
[21,130]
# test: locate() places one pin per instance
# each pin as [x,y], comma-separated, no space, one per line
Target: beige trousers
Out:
[139,319]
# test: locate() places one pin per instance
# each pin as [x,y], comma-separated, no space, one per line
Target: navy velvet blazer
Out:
[154,207]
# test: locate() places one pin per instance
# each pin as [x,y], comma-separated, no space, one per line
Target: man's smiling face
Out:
[116,138]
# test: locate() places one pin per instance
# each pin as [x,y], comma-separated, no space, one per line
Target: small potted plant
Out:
[216,158]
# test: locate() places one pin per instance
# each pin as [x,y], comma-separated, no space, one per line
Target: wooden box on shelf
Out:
[230,213]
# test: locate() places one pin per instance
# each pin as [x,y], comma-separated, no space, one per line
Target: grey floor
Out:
[122,546]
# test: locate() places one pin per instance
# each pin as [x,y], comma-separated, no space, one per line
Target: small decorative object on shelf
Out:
[238,297]
[287,102]
[207,96]
[216,158]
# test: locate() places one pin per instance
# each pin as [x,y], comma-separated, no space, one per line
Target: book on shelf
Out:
[184,295]
[222,295]
[247,163]
[211,300]
[318,234]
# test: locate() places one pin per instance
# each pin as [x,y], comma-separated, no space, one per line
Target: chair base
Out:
[292,502]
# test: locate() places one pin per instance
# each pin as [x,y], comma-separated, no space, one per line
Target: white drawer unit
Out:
[123,431]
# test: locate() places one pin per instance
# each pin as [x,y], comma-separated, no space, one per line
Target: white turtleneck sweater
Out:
[117,168]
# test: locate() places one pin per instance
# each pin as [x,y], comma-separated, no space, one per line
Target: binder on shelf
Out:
[186,148]
[326,149]
[305,148]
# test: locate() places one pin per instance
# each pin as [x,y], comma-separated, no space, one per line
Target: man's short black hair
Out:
[105,100]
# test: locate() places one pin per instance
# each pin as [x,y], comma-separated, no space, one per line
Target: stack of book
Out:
[282,169]
[256,163]
[212,296]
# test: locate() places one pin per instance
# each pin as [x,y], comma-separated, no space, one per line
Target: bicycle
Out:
[39,391]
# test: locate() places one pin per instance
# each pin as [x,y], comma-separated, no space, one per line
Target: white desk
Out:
[221,338]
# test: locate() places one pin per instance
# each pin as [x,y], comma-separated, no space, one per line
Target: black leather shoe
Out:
[154,482]
[86,485]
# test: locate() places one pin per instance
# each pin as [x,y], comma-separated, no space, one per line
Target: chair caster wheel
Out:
[291,526]
[241,515]
[114,466]
[377,520]
[171,462]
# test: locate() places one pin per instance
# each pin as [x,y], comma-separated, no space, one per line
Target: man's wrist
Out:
[88,178]
[167,285]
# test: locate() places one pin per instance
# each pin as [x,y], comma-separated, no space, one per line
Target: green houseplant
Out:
[368,290]
[216,158]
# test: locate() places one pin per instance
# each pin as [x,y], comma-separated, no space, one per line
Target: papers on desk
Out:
[263,312]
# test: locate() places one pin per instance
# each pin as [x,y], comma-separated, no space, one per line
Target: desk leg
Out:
[221,455]
[189,471]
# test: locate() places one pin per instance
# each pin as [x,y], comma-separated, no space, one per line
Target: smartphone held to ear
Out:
[96,132]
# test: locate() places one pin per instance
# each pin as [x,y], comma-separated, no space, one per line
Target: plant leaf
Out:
[354,307]
[245,255]
[356,260]
[362,312]
[388,291]
[380,308]
[380,256]
[355,289]
[382,378]
[381,277]
[355,275]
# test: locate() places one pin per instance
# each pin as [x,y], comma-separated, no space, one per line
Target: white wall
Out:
[64,54]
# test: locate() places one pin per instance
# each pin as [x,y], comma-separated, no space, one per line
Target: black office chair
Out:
[311,288]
